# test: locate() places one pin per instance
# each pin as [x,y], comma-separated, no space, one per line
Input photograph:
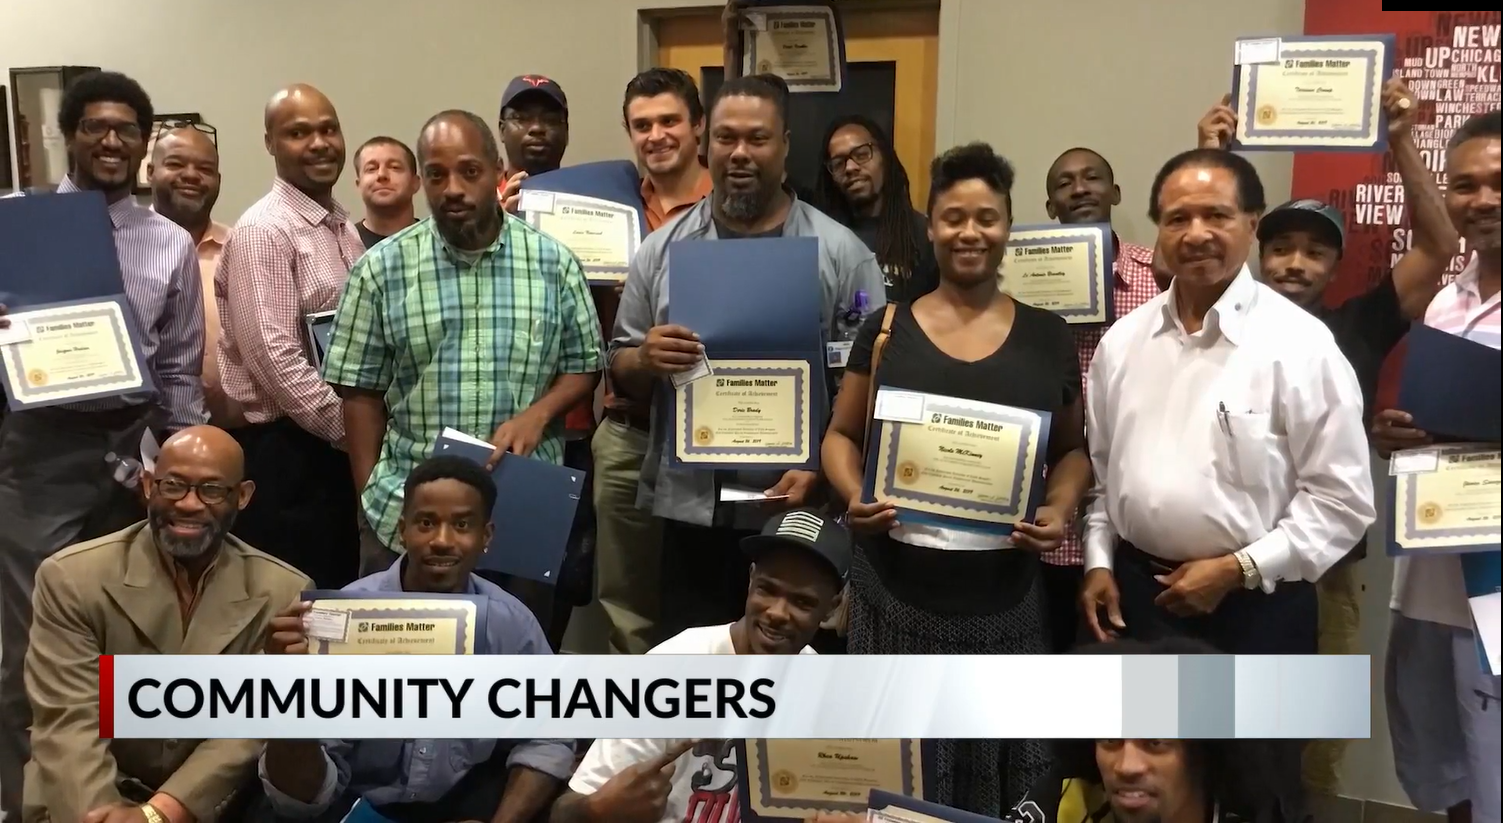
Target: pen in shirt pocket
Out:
[1226,418]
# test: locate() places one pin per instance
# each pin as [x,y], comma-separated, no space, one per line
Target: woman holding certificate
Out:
[950,585]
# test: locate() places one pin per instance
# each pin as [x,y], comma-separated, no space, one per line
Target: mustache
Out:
[215,531]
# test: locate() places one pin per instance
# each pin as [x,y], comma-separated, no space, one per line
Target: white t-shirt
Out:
[704,779]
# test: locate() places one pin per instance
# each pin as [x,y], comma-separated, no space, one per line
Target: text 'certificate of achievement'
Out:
[1446,499]
[391,623]
[800,44]
[1312,93]
[795,779]
[748,414]
[74,351]
[1066,270]
[603,235]
[957,463]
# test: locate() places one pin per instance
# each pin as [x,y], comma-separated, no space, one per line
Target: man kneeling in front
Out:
[445,526]
[799,564]
[175,584]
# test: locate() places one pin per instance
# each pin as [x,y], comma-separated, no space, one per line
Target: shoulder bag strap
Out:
[878,346]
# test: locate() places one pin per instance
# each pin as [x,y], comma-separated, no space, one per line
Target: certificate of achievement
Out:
[746,414]
[602,234]
[72,351]
[1313,93]
[1063,269]
[1446,499]
[958,463]
[800,44]
[381,623]
[794,779]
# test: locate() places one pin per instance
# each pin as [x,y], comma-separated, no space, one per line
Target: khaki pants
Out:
[1340,620]
[628,541]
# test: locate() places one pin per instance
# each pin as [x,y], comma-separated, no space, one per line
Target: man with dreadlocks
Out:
[864,186]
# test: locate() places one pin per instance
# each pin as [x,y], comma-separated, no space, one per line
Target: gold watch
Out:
[152,814]
[1251,578]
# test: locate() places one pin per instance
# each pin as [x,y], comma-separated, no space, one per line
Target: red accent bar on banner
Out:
[106,696]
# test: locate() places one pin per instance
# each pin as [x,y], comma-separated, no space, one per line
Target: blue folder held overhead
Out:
[534,513]
[56,248]
[1451,386]
[744,297]
[613,180]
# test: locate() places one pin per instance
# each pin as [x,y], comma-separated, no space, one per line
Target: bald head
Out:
[304,135]
[203,448]
[187,139]
[456,128]
[184,174]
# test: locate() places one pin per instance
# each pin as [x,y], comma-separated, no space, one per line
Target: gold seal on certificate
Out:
[800,44]
[794,779]
[603,235]
[1066,270]
[1304,93]
[340,624]
[745,413]
[63,353]
[1446,499]
[955,462]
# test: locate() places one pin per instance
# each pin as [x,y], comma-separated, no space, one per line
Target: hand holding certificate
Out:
[341,622]
[1066,270]
[66,352]
[955,462]
[1311,93]
[595,210]
[1446,499]
[788,780]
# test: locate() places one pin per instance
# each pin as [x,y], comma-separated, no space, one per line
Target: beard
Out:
[469,234]
[746,206]
[189,549]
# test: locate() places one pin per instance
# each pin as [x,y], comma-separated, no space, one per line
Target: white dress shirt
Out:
[1247,434]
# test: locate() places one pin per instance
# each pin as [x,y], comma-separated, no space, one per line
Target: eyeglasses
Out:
[862,154]
[173,124]
[210,493]
[546,119]
[96,129]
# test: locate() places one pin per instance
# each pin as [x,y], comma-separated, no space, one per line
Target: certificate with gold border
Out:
[957,463]
[342,622]
[67,352]
[1312,93]
[1446,499]
[792,780]
[1066,270]
[747,414]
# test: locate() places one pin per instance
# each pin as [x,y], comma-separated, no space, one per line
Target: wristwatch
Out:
[1251,577]
[152,815]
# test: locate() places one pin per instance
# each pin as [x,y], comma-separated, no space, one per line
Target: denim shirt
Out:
[422,771]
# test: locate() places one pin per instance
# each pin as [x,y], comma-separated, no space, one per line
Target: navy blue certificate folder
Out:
[56,248]
[614,180]
[744,297]
[880,800]
[534,514]
[1451,386]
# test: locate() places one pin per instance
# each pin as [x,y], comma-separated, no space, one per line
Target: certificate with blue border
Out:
[1445,499]
[1066,270]
[1314,93]
[747,414]
[801,43]
[603,235]
[73,351]
[889,807]
[342,622]
[957,463]
[784,781]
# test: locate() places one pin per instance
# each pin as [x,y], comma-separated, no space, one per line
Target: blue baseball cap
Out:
[1314,216]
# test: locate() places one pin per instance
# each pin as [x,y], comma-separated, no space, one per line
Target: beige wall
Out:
[1031,77]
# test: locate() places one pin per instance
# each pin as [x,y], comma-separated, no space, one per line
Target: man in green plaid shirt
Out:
[469,319]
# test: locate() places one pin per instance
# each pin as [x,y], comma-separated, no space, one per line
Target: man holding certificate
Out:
[445,526]
[951,495]
[748,154]
[1445,738]
[61,481]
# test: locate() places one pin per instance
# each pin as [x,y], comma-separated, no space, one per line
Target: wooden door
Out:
[905,39]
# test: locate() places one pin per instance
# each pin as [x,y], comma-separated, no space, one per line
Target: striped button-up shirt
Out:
[159,269]
[286,257]
[1132,267]
[460,340]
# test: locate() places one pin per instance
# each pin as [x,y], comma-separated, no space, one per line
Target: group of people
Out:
[1207,476]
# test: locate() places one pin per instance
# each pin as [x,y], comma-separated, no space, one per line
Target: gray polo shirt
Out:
[846,266]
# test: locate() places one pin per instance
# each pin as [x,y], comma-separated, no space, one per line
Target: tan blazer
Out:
[114,595]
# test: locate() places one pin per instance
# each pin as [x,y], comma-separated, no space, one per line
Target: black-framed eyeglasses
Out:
[95,128]
[171,124]
[209,492]
[862,154]
[546,119]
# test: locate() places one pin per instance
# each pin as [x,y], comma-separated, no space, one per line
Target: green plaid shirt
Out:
[457,343]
